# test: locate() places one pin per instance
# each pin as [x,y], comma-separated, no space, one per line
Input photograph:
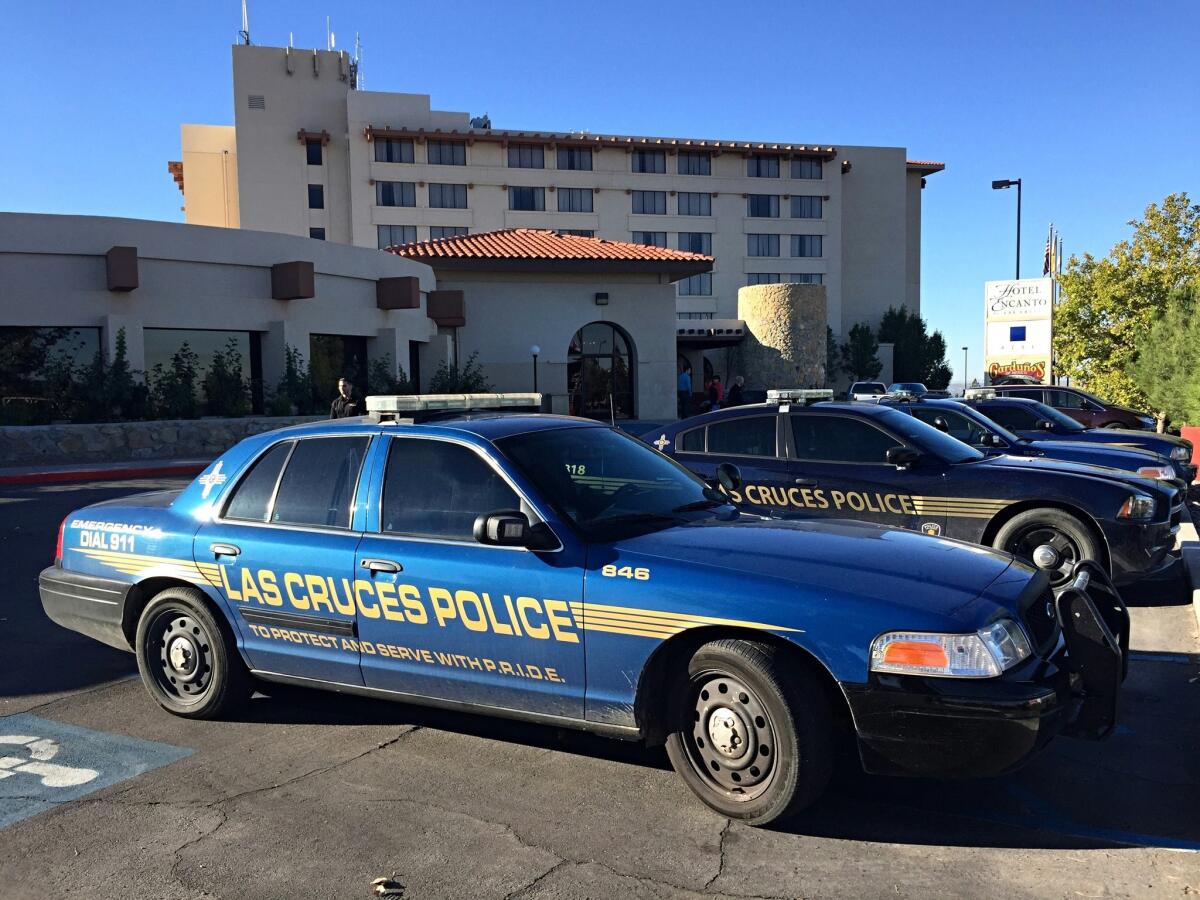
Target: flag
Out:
[1048,256]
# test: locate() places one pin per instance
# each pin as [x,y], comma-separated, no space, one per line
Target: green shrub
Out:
[225,389]
[380,379]
[450,379]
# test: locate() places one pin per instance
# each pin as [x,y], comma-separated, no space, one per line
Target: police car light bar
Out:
[799,395]
[902,395]
[408,403]
[979,394]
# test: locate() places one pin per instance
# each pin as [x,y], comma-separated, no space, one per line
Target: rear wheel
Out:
[1051,539]
[751,731]
[187,658]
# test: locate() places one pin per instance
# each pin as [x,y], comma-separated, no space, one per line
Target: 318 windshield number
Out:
[611,571]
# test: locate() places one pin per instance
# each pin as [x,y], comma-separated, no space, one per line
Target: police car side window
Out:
[318,484]
[961,427]
[750,436]
[839,439]
[437,488]
[253,493]
[1014,418]
[692,441]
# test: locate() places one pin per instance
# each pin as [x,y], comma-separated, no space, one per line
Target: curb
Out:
[110,472]
[1189,550]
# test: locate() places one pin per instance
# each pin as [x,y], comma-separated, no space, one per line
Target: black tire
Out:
[187,658]
[778,756]
[1067,534]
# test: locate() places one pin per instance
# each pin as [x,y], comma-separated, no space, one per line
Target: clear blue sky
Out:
[1096,105]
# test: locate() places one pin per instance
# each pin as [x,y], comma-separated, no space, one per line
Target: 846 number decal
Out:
[611,571]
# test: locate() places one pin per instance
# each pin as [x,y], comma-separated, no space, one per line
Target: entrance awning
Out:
[703,334]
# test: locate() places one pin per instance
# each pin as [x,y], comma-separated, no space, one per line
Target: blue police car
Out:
[1035,421]
[878,464]
[967,424]
[558,571]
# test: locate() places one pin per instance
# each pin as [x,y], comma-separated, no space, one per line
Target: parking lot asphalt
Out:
[315,795]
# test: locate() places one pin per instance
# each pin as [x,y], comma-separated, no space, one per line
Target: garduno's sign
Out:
[1036,369]
[1030,298]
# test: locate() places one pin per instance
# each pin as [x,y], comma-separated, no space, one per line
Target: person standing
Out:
[684,389]
[734,397]
[344,405]
[716,393]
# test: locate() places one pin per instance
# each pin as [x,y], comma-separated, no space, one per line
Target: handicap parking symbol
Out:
[44,763]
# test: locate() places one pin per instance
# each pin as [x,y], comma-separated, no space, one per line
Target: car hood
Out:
[1118,434]
[833,557]
[1133,456]
[1026,463]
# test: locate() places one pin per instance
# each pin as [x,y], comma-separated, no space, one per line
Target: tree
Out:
[294,393]
[173,389]
[1110,304]
[225,388]
[1165,367]
[833,356]
[380,379]
[450,379]
[859,355]
[916,356]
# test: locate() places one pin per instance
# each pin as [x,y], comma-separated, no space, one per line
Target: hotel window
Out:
[649,161]
[696,242]
[764,278]
[532,199]
[437,232]
[650,203]
[577,232]
[526,156]
[447,196]
[650,238]
[446,153]
[693,315]
[806,245]
[806,207]
[316,196]
[574,199]
[692,203]
[317,234]
[579,158]
[805,278]
[395,235]
[399,150]
[806,167]
[762,166]
[696,286]
[762,245]
[313,151]
[763,206]
[694,163]
[395,193]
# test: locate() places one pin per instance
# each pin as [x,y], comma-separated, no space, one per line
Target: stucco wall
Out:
[785,341]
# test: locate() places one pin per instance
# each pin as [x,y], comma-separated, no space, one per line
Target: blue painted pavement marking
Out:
[45,763]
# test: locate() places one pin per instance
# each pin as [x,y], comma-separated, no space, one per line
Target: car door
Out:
[284,545]
[447,617]
[752,443]
[1075,406]
[840,463]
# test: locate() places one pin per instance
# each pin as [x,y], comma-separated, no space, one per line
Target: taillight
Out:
[58,543]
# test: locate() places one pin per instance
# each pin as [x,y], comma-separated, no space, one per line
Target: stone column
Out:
[785,340]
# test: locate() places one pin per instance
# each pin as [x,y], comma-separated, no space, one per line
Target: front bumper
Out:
[947,727]
[1138,551]
[85,603]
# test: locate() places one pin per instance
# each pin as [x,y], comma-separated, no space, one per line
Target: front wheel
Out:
[1051,539]
[751,731]
[187,659]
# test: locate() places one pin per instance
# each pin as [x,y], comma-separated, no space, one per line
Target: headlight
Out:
[1181,454]
[1156,472]
[984,654]
[1137,506]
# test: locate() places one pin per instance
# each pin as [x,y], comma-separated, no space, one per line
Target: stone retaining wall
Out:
[31,445]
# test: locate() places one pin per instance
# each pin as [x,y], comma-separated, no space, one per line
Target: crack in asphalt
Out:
[721,858]
[550,871]
[177,853]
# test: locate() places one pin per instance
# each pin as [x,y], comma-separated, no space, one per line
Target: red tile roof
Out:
[926,165]
[541,244]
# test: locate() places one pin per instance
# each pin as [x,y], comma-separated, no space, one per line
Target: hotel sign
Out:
[1018,318]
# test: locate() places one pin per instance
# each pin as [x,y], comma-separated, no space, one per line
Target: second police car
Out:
[556,570]
[874,463]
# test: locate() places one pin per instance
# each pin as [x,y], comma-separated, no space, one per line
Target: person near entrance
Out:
[344,405]
[685,393]
[734,397]
[716,393]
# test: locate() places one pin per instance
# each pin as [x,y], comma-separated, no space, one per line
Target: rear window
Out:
[318,484]
[692,441]
[751,436]
[253,494]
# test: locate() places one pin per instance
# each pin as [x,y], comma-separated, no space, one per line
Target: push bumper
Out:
[946,727]
[85,603]
[1138,551]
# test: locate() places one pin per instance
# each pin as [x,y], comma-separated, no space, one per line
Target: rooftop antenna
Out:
[291,40]
[244,34]
[358,80]
[328,36]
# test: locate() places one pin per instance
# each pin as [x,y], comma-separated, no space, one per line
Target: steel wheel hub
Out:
[727,732]
[733,741]
[184,656]
[181,654]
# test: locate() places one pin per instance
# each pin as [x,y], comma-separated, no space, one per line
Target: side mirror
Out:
[1045,425]
[902,457]
[941,424]
[507,528]
[729,476]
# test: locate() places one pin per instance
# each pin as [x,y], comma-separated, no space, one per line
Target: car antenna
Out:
[612,416]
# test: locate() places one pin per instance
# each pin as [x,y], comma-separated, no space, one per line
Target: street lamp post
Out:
[999,186]
[964,371]
[534,351]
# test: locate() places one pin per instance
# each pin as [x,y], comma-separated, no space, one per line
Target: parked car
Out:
[555,570]
[872,462]
[908,387]
[1086,409]
[969,425]
[865,390]
[1035,421]
[1017,378]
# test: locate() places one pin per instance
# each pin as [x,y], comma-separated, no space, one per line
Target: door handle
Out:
[806,482]
[381,565]
[225,549]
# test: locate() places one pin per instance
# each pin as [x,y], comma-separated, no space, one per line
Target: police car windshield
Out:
[929,439]
[606,483]
[991,425]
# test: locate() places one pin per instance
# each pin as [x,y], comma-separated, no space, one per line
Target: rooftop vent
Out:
[257,101]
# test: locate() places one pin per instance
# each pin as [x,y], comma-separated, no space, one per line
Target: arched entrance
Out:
[600,366]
